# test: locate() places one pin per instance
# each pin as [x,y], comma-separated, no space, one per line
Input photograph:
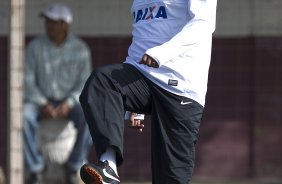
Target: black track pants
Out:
[113,89]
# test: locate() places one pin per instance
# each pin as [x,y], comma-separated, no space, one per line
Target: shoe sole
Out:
[90,176]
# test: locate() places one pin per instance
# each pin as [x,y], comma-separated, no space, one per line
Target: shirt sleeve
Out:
[201,26]
[32,92]
[85,68]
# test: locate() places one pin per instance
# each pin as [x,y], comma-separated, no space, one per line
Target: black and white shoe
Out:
[100,173]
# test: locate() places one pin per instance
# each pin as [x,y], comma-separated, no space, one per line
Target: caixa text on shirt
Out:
[148,13]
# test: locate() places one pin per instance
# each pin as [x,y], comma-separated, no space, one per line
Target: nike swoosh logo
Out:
[109,176]
[185,103]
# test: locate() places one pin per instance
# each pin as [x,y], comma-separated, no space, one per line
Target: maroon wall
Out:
[241,130]
[226,143]
[3,100]
[268,107]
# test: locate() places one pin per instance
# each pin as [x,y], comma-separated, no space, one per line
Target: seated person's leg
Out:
[82,144]
[34,160]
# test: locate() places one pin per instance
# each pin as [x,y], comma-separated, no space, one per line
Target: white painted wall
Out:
[268,17]
[113,17]
[249,17]
[234,17]
[91,17]
[4,16]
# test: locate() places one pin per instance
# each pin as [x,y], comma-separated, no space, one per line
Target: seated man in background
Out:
[57,65]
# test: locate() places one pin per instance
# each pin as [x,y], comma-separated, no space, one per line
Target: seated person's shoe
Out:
[100,173]
[35,178]
[71,176]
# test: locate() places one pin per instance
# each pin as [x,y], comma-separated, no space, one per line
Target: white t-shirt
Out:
[178,35]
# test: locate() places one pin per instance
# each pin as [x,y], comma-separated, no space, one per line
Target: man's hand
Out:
[62,110]
[134,122]
[47,111]
[149,61]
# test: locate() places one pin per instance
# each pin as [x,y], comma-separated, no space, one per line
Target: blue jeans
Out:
[34,160]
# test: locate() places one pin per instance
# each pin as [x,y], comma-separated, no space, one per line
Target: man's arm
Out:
[32,92]
[85,67]
[199,28]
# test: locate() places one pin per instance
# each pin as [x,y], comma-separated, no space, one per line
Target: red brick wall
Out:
[241,130]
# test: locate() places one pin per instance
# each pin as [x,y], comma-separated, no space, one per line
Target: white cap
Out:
[58,12]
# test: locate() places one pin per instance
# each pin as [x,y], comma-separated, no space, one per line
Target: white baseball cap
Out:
[58,11]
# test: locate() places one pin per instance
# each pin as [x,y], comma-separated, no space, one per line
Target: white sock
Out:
[110,156]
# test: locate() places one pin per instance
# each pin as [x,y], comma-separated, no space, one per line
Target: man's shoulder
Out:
[38,40]
[78,41]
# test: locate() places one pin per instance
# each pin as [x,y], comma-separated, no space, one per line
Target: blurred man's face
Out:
[55,29]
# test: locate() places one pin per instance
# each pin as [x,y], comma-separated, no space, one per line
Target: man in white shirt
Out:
[165,75]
